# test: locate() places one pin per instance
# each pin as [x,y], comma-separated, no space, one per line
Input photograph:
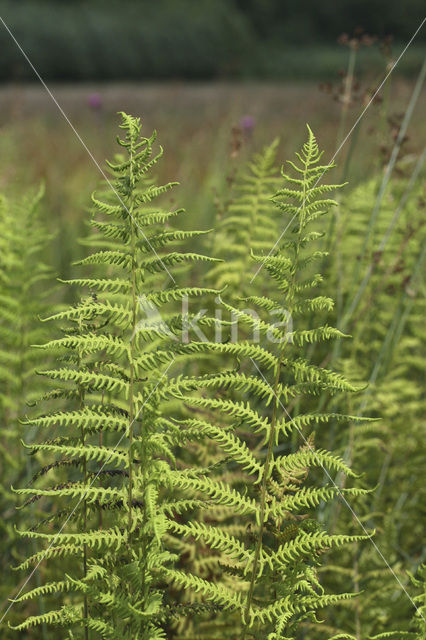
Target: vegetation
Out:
[217,433]
[140,39]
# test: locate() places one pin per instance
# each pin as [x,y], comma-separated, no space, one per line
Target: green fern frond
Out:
[108,458]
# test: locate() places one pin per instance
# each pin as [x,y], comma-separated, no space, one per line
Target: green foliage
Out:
[382,306]
[265,570]
[23,277]
[176,486]
[139,39]
[126,39]
[110,447]
[419,618]
[250,220]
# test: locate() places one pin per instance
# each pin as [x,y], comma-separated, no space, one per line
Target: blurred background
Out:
[185,40]
[217,78]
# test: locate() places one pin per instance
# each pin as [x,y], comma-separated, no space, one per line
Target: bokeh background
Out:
[216,78]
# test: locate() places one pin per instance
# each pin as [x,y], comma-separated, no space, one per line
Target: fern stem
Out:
[356,590]
[101,444]
[270,450]
[28,461]
[86,606]
[263,495]
[132,352]
[130,435]
[84,462]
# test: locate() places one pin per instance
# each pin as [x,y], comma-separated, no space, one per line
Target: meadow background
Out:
[210,76]
[219,79]
[207,130]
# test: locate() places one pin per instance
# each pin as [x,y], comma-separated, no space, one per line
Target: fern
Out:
[22,271]
[250,220]
[111,451]
[190,488]
[23,240]
[265,573]
[388,337]
[419,617]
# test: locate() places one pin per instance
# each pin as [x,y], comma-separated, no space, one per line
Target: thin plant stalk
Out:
[388,172]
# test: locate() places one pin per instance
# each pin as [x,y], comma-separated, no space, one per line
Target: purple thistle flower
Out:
[94,101]
[247,124]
